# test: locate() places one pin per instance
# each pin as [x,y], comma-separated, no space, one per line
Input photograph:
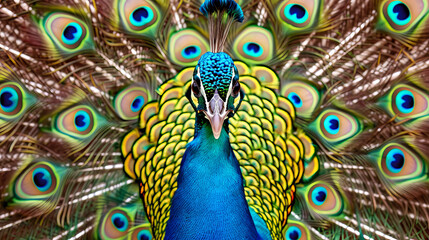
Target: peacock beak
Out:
[216,114]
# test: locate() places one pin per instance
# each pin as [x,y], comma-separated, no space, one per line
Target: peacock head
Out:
[215,84]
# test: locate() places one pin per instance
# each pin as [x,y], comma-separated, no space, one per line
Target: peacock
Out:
[215,119]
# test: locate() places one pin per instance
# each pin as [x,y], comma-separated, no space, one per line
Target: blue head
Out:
[215,84]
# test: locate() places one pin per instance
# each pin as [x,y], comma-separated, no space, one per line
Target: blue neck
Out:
[209,202]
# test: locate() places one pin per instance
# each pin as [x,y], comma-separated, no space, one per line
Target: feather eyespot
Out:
[299,16]
[254,45]
[191,52]
[296,13]
[72,33]
[406,102]
[409,102]
[144,235]
[395,160]
[142,232]
[319,195]
[293,233]
[42,179]
[14,100]
[116,224]
[399,13]
[295,230]
[398,163]
[336,126]
[67,33]
[404,14]
[324,200]
[78,122]
[138,16]
[403,18]
[186,47]
[120,221]
[304,97]
[141,16]
[253,49]
[331,124]
[10,99]
[295,99]
[129,102]
[39,181]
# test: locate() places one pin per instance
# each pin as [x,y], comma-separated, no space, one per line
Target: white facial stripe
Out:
[230,87]
[230,84]
[203,92]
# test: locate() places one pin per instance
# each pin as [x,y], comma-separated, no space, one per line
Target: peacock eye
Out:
[303,95]
[42,179]
[196,89]
[37,182]
[141,16]
[336,126]
[14,100]
[332,124]
[235,89]
[318,195]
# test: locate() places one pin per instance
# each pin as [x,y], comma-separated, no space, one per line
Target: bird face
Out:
[215,84]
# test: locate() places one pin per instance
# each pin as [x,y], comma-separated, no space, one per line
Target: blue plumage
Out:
[209,202]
